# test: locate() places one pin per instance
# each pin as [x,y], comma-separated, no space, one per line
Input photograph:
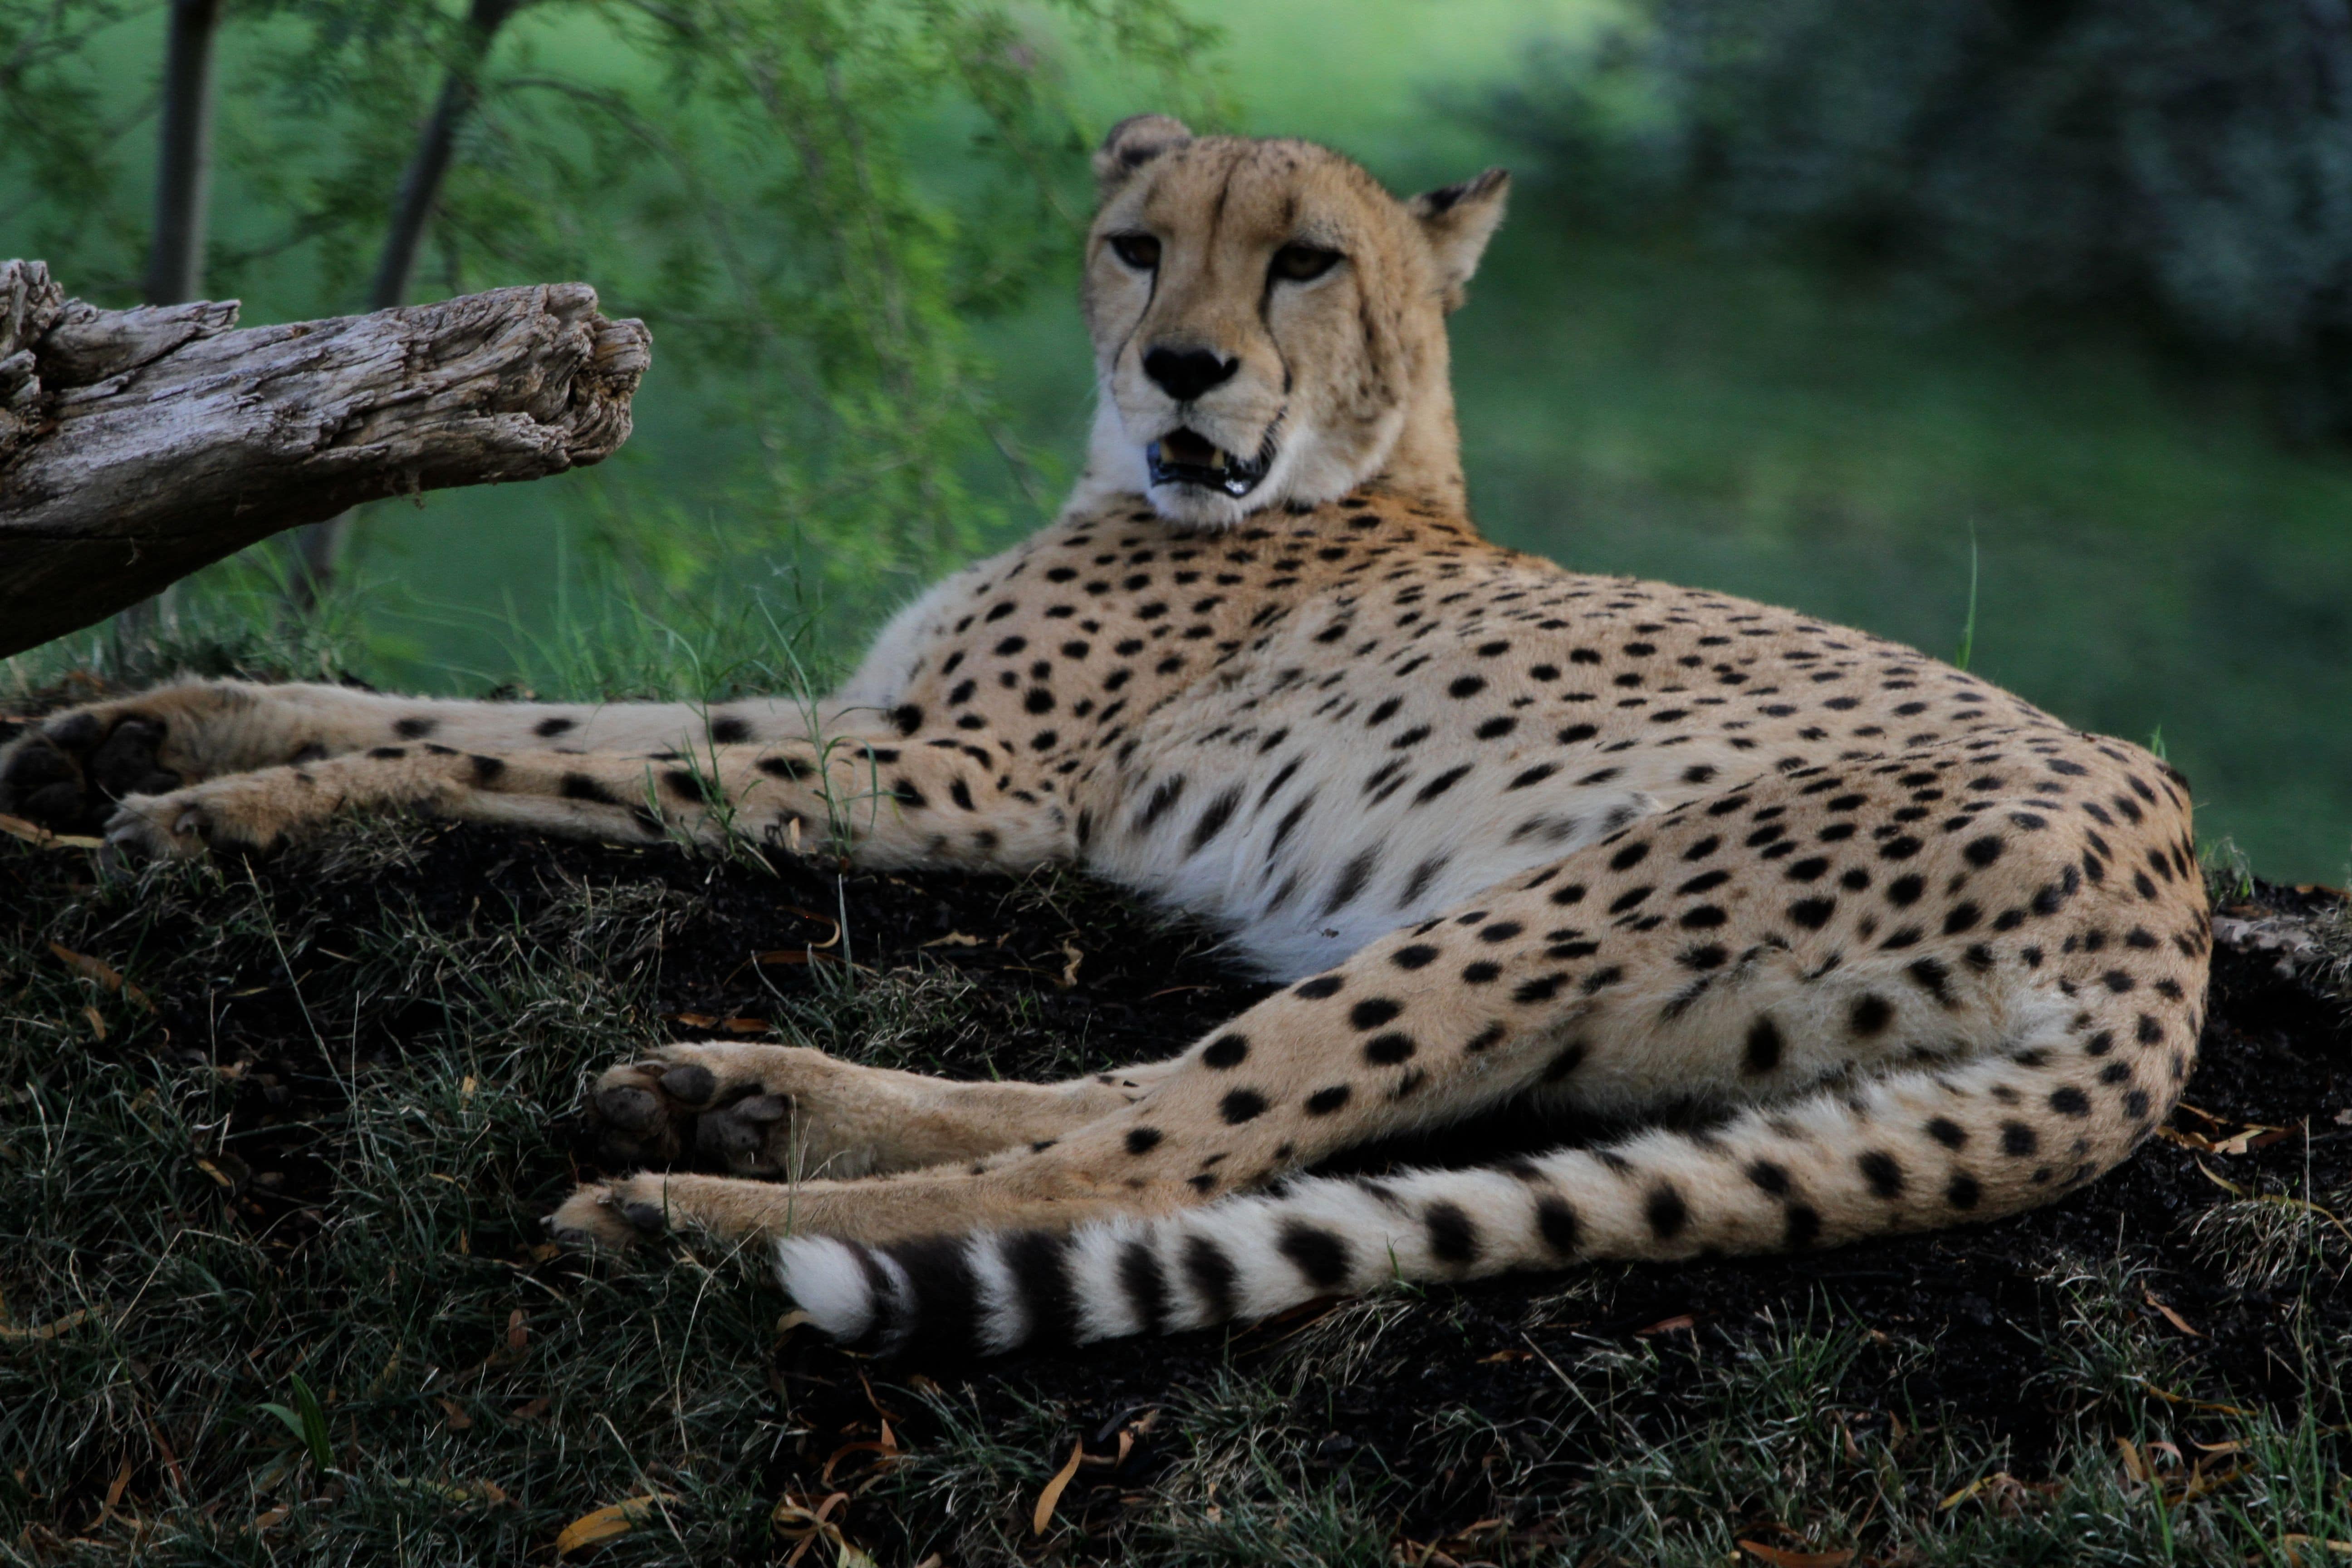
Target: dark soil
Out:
[2276,1052]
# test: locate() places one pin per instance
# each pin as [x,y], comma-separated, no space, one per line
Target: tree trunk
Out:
[136,446]
[317,547]
[184,178]
[184,162]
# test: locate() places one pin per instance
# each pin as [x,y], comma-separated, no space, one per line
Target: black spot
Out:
[1418,956]
[1146,1289]
[1228,1050]
[1440,785]
[784,767]
[1764,1046]
[907,716]
[1466,685]
[1213,821]
[1805,1226]
[1879,1169]
[414,728]
[1372,1012]
[1481,973]
[1143,1140]
[486,769]
[551,727]
[387,753]
[580,786]
[1705,917]
[1813,913]
[1387,1051]
[1981,852]
[1870,1014]
[1947,1132]
[1453,1238]
[1242,1105]
[727,731]
[1962,1192]
[1324,1101]
[1212,1274]
[1494,729]
[2068,1100]
[1321,1256]
[1557,1223]
[2135,1105]
[1904,891]
[1315,990]
[1038,1262]
[1629,856]
[2018,1140]
[1665,1211]
[1770,1177]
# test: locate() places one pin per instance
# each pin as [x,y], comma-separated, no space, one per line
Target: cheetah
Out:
[1852,942]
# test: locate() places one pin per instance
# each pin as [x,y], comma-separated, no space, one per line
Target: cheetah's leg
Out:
[1937,1014]
[67,770]
[894,803]
[771,1111]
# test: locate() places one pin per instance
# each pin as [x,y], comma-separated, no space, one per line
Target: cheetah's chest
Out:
[1311,803]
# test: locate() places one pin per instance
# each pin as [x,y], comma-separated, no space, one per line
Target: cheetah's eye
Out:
[1299,263]
[1140,252]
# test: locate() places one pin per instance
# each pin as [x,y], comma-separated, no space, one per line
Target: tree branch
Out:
[136,446]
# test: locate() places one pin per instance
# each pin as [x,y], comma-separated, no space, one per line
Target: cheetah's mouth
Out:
[1184,457]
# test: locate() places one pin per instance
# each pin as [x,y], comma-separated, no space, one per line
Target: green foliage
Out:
[810,201]
[2189,160]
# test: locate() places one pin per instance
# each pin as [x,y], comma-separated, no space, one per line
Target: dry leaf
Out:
[42,838]
[97,1021]
[695,1020]
[1070,970]
[453,1412]
[2322,1547]
[1682,1321]
[105,974]
[747,1026]
[518,1333]
[2175,1318]
[605,1523]
[953,939]
[1044,1515]
[2134,1466]
[2171,1398]
[46,1332]
[215,1172]
[1779,1558]
[796,1520]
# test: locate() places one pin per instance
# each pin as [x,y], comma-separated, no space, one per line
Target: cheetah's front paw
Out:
[253,811]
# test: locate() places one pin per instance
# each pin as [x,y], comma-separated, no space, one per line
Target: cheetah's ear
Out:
[1133,143]
[1457,221]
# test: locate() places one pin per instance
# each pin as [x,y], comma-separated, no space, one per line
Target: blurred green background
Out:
[2127,534]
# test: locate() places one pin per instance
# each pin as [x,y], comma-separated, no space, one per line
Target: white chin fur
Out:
[825,1278]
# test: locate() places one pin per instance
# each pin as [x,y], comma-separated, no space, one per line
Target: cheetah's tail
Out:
[1910,1152]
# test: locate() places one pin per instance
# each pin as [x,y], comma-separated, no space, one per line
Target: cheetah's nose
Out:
[1185,374]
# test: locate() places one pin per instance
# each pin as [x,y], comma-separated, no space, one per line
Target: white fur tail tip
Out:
[832,1281]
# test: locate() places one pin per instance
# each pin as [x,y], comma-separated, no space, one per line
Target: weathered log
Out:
[136,446]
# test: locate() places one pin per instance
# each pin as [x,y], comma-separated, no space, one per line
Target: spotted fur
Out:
[1901,950]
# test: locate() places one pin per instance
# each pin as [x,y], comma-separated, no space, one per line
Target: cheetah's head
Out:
[1269,324]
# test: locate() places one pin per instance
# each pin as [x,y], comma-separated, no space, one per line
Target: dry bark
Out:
[136,446]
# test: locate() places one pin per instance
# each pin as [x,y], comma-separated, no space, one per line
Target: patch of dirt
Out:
[1066,977]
